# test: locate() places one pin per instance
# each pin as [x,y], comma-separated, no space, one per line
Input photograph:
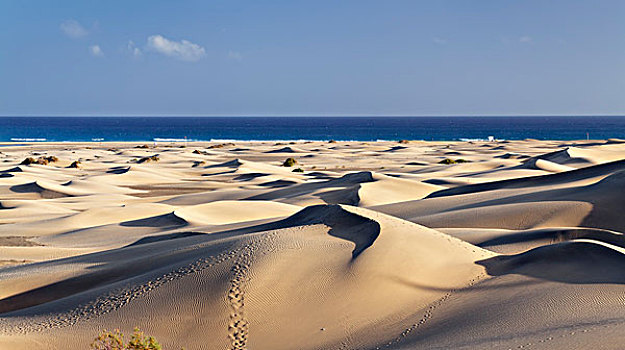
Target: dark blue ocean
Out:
[27,129]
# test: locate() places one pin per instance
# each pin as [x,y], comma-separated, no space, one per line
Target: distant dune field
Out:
[358,245]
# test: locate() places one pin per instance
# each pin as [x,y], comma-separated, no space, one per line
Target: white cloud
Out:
[96,50]
[182,50]
[526,39]
[237,56]
[73,29]
[439,41]
[133,49]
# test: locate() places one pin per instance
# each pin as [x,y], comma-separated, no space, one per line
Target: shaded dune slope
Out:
[497,206]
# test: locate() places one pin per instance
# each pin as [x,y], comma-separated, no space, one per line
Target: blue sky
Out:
[482,57]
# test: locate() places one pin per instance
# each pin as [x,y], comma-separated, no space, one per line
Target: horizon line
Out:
[302,115]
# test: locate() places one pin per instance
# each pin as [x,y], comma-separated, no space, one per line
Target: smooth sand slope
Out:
[381,245]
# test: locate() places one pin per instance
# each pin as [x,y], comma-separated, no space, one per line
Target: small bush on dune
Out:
[298,170]
[142,146]
[331,141]
[289,162]
[75,164]
[447,161]
[115,341]
[403,141]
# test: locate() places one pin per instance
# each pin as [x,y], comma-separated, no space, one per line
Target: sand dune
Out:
[227,212]
[366,246]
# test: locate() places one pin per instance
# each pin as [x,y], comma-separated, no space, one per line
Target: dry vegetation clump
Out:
[153,158]
[75,164]
[331,141]
[142,146]
[403,141]
[289,162]
[29,161]
[221,145]
[298,170]
[198,163]
[40,160]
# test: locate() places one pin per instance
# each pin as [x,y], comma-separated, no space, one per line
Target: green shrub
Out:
[447,161]
[289,162]
[115,341]
[451,161]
